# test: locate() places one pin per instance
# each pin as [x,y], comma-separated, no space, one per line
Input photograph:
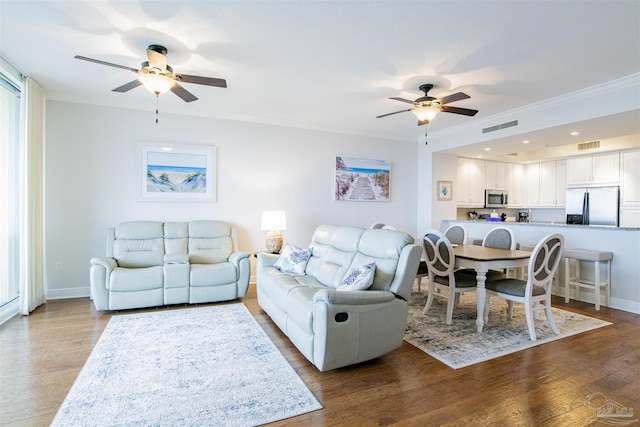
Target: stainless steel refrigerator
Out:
[593,206]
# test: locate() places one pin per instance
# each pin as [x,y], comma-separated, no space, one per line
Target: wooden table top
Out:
[481,253]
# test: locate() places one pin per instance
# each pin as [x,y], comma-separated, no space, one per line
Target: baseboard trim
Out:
[68,293]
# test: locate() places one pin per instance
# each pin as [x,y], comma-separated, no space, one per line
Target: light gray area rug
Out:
[193,367]
[459,345]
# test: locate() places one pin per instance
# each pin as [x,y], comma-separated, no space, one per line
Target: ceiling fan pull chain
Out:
[157,97]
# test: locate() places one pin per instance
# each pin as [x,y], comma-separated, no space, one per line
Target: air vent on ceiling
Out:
[589,145]
[498,127]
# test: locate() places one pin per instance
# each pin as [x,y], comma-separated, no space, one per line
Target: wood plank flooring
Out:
[41,355]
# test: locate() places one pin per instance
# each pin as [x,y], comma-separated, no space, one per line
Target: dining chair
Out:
[543,265]
[442,275]
[457,233]
[498,238]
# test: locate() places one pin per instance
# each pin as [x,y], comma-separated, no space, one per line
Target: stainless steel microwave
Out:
[495,198]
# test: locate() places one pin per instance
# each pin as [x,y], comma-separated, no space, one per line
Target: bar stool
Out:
[595,257]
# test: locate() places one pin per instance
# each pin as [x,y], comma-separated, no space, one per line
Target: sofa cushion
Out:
[136,279]
[359,279]
[293,259]
[139,244]
[209,242]
[176,237]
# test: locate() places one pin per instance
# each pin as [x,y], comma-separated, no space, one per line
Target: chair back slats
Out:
[440,259]
[545,259]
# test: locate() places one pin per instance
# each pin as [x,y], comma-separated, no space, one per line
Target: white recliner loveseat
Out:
[334,328]
[154,263]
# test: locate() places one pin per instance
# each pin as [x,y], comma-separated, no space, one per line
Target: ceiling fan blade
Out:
[395,112]
[402,100]
[458,110]
[199,80]
[454,97]
[128,86]
[97,61]
[184,94]
[157,59]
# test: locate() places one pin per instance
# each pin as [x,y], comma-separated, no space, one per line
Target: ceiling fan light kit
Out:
[156,83]
[426,114]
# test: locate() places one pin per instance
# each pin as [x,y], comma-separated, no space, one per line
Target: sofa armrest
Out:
[108,263]
[353,297]
[176,259]
[267,259]
[99,275]
[235,257]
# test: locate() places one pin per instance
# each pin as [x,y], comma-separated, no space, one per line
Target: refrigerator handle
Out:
[585,209]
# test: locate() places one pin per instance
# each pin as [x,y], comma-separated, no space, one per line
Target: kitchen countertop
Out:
[547,224]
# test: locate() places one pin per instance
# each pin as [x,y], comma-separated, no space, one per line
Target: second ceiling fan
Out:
[427,107]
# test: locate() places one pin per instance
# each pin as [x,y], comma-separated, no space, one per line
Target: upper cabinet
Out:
[595,169]
[470,183]
[515,185]
[495,175]
[546,184]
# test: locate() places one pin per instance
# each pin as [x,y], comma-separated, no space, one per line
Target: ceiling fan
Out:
[427,107]
[158,77]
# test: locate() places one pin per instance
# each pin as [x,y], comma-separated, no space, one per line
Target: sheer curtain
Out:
[32,292]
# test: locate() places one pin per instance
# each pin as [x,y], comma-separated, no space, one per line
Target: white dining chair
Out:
[457,233]
[442,275]
[536,290]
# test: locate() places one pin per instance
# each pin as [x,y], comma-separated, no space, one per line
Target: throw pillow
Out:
[359,279]
[293,260]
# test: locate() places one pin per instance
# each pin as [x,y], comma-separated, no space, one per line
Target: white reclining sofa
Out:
[154,263]
[334,328]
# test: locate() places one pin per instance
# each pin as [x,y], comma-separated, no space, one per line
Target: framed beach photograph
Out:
[445,190]
[170,172]
[362,180]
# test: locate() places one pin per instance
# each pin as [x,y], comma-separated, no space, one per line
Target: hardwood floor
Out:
[547,385]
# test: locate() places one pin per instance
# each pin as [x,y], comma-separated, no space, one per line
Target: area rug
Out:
[189,367]
[459,345]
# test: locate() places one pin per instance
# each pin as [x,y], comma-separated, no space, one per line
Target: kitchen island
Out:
[624,242]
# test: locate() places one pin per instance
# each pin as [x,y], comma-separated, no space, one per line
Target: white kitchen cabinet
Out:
[516,185]
[546,184]
[470,183]
[495,175]
[630,188]
[533,184]
[594,169]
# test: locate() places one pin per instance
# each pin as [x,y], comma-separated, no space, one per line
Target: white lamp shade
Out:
[274,220]
[425,114]
[156,83]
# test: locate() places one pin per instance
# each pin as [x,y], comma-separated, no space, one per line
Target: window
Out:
[9,152]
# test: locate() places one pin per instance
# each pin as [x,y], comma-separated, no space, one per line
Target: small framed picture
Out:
[444,190]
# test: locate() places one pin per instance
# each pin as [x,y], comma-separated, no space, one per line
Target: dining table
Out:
[483,259]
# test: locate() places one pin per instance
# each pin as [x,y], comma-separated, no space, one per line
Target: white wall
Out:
[91,175]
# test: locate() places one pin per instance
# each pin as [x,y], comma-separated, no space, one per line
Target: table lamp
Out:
[273,222]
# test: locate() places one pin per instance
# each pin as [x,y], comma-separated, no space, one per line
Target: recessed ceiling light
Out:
[526,141]
[479,157]
[487,149]
[574,133]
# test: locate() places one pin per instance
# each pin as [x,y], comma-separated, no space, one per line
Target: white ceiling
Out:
[330,65]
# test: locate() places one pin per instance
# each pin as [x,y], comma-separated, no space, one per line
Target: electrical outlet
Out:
[59,266]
